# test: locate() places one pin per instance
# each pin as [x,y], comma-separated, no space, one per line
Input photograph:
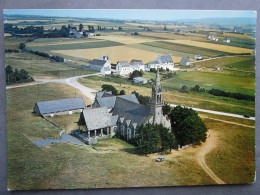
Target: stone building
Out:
[121,114]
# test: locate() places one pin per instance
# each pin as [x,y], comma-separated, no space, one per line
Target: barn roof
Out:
[97,118]
[61,105]
[165,58]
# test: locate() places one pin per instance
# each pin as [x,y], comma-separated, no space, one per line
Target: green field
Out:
[87,45]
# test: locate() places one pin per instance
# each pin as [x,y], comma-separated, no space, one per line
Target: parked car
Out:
[160,159]
[246,116]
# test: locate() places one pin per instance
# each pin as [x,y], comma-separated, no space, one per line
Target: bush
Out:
[111,88]
[238,96]
[184,89]
[135,74]
[142,99]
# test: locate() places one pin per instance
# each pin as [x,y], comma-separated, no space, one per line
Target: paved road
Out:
[72,81]
[217,112]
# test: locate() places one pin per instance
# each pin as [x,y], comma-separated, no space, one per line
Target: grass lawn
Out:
[234,157]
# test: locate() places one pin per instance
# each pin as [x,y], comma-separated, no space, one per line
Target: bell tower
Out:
[156,102]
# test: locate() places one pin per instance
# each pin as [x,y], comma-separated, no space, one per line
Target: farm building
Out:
[102,66]
[227,40]
[75,34]
[59,107]
[165,62]
[213,37]
[140,80]
[137,65]
[198,57]
[106,58]
[121,115]
[91,34]
[185,61]
[123,68]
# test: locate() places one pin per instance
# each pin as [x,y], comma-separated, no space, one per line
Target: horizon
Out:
[134,14]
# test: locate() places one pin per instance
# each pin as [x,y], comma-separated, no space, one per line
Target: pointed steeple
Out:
[157,81]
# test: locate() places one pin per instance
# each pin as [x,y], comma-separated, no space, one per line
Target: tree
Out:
[165,28]
[22,46]
[81,27]
[120,28]
[187,126]
[142,99]
[196,88]
[166,109]
[122,92]
[168,140]
[111,88]
[147,139]
[136,73]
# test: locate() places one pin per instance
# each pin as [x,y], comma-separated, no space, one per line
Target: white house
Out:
[137,65]
[75,34]
[91,34]
[185,61]
[106,58]
[102,66]
[227,40]
[213,37]
[198,57]
[123,68]
[165,62]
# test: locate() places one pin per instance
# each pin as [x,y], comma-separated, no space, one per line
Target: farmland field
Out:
[68,46]
[223,48]
[46,42]
[116,53]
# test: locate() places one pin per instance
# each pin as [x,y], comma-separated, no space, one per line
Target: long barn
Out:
[59,107]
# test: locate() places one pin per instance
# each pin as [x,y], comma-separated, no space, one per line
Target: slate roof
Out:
[101,94]
[139,79]
[166,58]
[137,113]
[153,62]
[109,102]
[124,63]
[98,62]
[114,119]
[61,105]
[107,69]
[97,118]
[136,62]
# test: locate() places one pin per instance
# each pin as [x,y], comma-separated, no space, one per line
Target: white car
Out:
[160,159]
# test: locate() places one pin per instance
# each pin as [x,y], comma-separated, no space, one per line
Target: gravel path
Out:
[65,138]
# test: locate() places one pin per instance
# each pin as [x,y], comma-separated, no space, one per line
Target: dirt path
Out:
[210,144]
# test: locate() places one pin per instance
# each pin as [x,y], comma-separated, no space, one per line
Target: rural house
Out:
[59,107]
[227,40]
[198,57]
[75,34]
[123,68]
[165,62]
[185,61]
[102,66]
[137,65]
[121,115]
[213,37]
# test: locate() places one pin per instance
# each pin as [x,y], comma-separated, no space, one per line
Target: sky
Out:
[135,14]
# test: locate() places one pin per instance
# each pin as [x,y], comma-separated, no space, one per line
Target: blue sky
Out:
[135,13]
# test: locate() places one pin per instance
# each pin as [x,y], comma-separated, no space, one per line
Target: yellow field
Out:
[173,36]
[7,35]
[125,39]
[116,53]
[63,42]
[217,47]
[16,21]
[237,35]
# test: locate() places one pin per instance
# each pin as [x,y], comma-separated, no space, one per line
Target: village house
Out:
[137,65]
[102,66]
[185,61]
[165,62]
[59,107]
[213,37]
[91,34]
[227,40]
[121,115]
[123,68]
[198,57]
[75,34]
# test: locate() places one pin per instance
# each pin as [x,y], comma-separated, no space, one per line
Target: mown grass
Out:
[234,157]
[85,45]
[29,167]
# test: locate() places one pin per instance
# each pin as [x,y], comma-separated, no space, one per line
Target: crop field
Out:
[223,48]
[46,42]
[131,39]
[71,46]
[116,53]
[186,48]
[238,35]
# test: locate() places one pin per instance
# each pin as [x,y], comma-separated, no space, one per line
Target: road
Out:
[217,112]
[73,81]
